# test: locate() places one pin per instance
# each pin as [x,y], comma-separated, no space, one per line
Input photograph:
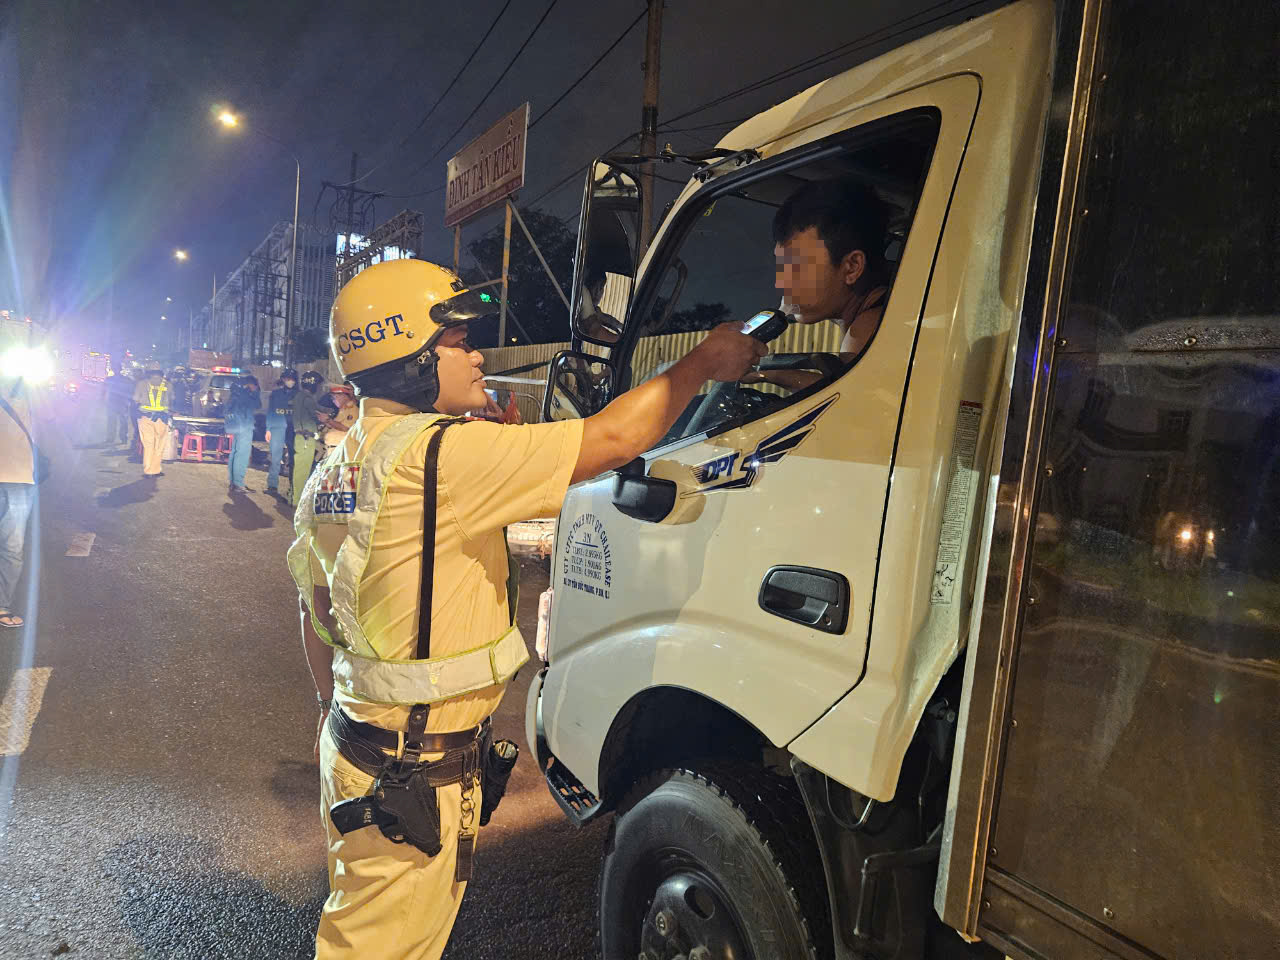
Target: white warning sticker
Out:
[959,505]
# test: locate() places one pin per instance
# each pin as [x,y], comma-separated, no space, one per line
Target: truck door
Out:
[767,553]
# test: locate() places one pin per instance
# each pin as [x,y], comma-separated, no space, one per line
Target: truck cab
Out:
[868,656]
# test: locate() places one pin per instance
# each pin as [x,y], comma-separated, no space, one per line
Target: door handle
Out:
[816,598]
[642,497]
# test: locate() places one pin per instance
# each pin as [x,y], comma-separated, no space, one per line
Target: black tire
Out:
[729,854]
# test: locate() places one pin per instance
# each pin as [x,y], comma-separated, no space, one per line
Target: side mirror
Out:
[604,265]
[578,385]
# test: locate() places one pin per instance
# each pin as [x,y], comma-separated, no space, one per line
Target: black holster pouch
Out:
[499,761]
[402,804]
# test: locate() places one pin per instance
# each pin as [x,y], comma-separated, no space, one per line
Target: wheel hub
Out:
[690,917]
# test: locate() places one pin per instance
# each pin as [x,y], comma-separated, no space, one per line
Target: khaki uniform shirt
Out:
[489,475]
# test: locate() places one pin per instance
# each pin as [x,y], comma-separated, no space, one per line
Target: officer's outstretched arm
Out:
[641,417]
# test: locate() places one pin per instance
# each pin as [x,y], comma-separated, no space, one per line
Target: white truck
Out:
[976,631]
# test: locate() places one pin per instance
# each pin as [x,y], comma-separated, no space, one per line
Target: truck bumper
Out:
[577,802]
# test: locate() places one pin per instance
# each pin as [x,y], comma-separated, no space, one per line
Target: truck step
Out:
[578,803]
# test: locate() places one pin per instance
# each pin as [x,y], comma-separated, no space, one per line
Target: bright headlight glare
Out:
[31,364]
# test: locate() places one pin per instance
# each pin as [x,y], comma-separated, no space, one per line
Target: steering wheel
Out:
[725,402]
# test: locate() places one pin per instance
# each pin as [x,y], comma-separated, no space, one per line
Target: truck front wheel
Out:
[715,863]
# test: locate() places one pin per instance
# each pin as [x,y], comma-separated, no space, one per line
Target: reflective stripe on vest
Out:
[157,398]
[359,669]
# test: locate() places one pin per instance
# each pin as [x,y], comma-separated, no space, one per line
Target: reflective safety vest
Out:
[157,398]
[351,492]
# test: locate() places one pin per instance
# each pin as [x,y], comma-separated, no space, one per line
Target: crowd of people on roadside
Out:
[301,418]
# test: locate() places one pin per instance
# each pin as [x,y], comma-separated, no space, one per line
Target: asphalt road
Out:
[166,804]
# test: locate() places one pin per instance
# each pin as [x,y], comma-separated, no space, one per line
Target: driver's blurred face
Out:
[813,288]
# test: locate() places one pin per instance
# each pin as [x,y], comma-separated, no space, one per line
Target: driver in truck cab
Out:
[402,570]
[829,240]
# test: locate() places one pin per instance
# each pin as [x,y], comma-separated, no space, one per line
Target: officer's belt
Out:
[366,747]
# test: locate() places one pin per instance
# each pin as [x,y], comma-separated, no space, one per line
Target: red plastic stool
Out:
[193,446]
[224,448]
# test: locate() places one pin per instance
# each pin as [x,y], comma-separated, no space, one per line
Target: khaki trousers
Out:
[153,434]
[387,901]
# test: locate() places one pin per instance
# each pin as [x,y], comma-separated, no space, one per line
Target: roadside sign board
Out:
[488,169]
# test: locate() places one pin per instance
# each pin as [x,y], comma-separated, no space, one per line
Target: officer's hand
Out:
[728,353]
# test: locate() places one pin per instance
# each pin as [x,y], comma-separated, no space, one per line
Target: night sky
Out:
[110,157]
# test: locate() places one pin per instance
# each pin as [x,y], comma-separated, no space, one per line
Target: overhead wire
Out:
[568,90]
[432,109]
[890,32]
[459,128]
[598,60]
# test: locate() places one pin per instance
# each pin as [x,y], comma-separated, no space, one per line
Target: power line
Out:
[826,57]
[440,99]
[505,70]
[568,90]
[776,77]
[608,50]
[890,32]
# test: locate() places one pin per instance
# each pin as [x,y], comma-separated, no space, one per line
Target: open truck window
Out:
[723,267]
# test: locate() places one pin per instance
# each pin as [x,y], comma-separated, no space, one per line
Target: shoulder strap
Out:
[17,419]
[430,483]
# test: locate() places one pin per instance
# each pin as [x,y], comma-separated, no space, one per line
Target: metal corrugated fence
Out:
[650,354]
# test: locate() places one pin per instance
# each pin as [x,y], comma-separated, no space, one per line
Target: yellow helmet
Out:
[388,317]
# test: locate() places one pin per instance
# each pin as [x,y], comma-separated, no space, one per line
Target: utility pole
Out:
[649,120]
[351,203]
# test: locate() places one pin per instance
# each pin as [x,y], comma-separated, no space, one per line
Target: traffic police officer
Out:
[306,430]
[403,576]
[279,422]
[153,399]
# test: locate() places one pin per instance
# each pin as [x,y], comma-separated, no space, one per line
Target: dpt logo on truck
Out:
[588,564]
[740,474]
[335,499]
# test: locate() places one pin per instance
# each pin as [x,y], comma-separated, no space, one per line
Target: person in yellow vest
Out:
[154,400]
[407,594]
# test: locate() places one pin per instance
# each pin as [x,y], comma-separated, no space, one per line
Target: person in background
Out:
[242,406]
[153,397]
[307,421]
[338,406]
[119,407]
[181,385]
[279,420]
[17,490]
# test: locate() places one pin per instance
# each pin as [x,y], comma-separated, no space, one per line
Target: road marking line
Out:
[81,544]
[18,711]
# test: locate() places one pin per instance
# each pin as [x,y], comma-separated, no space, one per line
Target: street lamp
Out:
[182,255]
[229,119]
